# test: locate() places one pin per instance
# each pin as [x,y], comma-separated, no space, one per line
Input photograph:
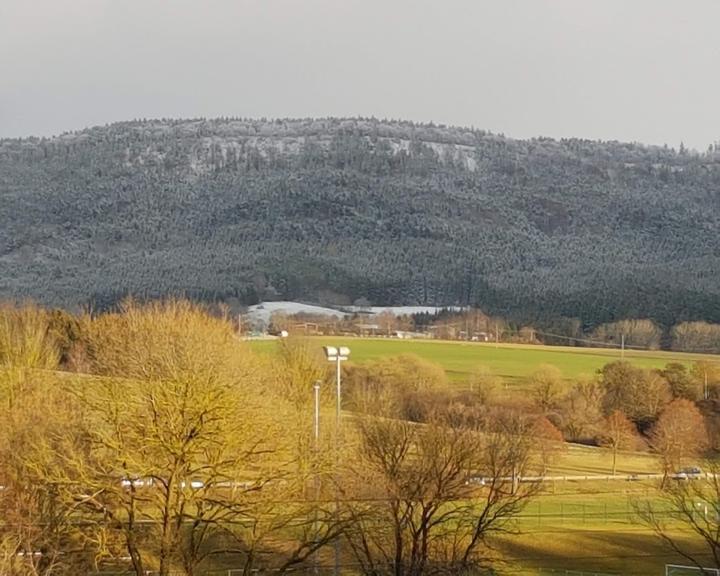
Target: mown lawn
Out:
[600,549]
[589,527]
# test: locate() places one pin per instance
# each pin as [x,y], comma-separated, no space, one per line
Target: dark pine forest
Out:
[336,210]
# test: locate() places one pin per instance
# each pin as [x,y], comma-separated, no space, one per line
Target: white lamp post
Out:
[337,354]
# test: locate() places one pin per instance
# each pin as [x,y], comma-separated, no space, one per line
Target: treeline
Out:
[475,325]
[154,440]
[336,210]
[674,411]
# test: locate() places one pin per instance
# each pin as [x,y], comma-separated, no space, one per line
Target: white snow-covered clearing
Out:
[263,311]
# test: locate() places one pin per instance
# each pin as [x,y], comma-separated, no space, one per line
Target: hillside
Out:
[336,210]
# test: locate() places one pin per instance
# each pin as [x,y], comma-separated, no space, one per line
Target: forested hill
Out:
[340,209]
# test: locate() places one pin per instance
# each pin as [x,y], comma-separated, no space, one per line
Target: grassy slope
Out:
[573,525]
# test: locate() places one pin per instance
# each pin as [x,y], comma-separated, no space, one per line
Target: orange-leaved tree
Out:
[679,434]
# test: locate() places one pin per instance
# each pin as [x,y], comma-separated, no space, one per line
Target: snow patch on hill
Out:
[260,314]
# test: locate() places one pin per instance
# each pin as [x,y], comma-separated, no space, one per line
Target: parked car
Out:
[689,473]
[476,481]
[136,482]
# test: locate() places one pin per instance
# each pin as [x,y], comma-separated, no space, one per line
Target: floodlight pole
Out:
[338,397]
[316,422]
[337,355]
[337,453]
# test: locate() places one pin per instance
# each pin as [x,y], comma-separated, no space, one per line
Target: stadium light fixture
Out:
[337,354]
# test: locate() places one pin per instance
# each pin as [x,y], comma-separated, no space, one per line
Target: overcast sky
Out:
[635,70]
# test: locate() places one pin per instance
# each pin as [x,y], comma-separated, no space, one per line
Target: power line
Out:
[599,343]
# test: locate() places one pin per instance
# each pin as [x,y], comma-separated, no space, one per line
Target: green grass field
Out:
[513,362]
[591,527]
[628,549]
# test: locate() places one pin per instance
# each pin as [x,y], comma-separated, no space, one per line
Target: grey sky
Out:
[638,70]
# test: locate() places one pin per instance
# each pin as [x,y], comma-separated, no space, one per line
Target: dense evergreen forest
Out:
[335,210]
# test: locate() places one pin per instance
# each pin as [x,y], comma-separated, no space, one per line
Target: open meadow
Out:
[512,362]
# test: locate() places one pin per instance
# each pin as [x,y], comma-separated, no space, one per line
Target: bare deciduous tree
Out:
[547,386]
[484,385]
[686,511]
[679,434]
[440,492]
[582,409]
[618,434]
[396,386]
[549,443]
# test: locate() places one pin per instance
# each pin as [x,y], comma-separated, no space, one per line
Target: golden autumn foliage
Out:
[174,443]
